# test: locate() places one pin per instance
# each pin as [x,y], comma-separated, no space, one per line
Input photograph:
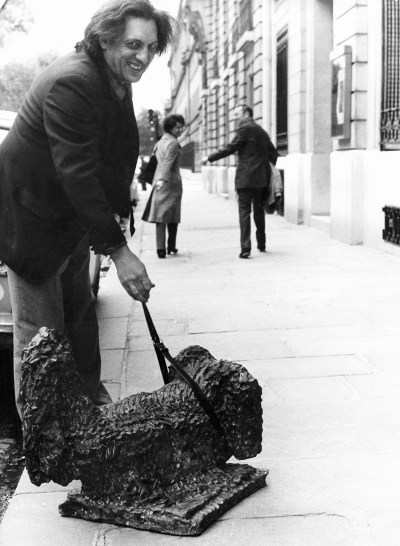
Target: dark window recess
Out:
[217,121]
[204,70]
[391,233]
[235,33]
[216,67]
[390,112]
[226,53]
[282,94]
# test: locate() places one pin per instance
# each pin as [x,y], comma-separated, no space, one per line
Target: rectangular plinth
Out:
[185,509]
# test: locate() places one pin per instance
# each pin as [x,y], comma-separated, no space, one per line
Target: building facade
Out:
[323,78]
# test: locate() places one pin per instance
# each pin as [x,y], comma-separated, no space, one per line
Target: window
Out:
[244,21]
[390,109]
[204,70]
[282,93]
[245,15]
[216,66]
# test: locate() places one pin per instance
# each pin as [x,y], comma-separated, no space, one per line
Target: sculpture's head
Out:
[235,396]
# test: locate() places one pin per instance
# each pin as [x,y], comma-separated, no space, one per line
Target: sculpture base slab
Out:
[184,510]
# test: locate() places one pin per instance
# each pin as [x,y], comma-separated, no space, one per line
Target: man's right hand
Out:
[132,274]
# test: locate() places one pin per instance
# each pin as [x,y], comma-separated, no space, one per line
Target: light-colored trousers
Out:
[64,302]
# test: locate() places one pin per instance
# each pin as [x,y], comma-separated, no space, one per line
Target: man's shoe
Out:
[161,253]
[245,253]
[262,249]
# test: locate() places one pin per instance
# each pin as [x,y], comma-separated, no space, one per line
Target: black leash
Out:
[162,354]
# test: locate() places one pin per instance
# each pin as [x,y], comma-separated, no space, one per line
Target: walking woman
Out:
[166,195]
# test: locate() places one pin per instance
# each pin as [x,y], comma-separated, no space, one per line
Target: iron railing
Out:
[390,110]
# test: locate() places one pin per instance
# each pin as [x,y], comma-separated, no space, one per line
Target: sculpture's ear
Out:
[50,387]
[193,356]
[241,412]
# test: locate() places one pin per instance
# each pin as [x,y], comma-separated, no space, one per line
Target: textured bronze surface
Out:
[151,461]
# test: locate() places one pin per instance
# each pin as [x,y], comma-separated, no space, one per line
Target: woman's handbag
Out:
[150,169]
[147,208]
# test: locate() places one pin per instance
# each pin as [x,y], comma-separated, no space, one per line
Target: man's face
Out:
[238,113]
[131,55]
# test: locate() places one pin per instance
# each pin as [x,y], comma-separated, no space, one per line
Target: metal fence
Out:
[390,111]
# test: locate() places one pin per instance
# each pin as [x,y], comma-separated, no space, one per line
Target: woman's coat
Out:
[166,202]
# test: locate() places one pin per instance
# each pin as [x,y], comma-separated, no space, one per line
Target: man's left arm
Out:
[237,143]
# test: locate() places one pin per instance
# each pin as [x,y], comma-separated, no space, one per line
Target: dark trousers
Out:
[160,236]
[247,197]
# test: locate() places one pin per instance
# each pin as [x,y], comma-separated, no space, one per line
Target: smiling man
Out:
[65,171]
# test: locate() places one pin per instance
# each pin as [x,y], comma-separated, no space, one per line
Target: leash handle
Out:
[156,342]
[162,354]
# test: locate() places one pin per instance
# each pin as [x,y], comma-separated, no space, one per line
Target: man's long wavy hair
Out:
[108,23]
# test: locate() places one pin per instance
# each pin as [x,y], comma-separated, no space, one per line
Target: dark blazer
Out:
[65,167]
[255,152]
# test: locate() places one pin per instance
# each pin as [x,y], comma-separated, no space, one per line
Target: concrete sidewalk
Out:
[317,323]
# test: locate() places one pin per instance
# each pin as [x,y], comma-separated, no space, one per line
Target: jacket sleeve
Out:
[72,124]
[171,153]
[237,143]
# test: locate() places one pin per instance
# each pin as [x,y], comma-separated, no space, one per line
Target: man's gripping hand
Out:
[132,274]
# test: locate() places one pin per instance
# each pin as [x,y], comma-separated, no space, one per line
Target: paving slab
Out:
[385,361]
[113,332]
[382,526]
[301,367]
[368,481]
[111,364]
[326,529]
[308,442]
[331,413]
[33,520]
[317,388]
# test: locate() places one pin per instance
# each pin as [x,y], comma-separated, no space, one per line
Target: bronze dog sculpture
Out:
[151,461]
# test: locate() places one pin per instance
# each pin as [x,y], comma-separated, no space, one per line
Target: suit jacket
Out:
[65,167]
[255,152]
[166,202]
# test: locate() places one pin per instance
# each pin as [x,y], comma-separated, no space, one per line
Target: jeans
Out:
[64,302]
[247,197]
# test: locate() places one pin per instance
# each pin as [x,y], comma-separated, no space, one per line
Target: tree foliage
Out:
[16,77]
[148,138]
[15,16]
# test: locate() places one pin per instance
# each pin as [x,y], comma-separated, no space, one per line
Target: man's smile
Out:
[135,66]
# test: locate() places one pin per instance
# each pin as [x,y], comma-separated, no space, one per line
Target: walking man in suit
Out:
[66,167]
[255,152]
